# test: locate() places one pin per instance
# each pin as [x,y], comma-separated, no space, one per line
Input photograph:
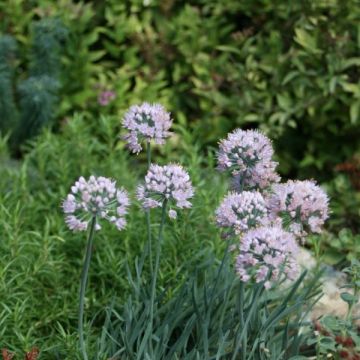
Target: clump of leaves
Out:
[340,338]
[212,316]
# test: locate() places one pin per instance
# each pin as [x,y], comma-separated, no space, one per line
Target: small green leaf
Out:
[349,298]
[306,40]
[331,323]
[354,112]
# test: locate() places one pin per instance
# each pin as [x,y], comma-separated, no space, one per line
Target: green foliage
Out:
[339,338]
[290,68]
[48,35]
[212,316]
[41,261]
[8,109]
[38,93]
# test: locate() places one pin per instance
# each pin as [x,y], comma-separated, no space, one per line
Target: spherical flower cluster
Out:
[302,206]
[265,254]
[242,211]
[146,121]
[169,182]
[96,197]
[248,156]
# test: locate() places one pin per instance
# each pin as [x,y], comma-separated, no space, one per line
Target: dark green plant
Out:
[36,95]
[8,110]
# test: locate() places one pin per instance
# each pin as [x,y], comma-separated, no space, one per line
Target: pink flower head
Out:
[302,206]
[97,196]
[241,211]
[170,182]
[105,97]
[146,122]
[265,254]
[248,156]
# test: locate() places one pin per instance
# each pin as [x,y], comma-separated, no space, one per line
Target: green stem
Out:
[84,276]
[351,306]
[148,220]
[157,262]
[148,153]
[241,314]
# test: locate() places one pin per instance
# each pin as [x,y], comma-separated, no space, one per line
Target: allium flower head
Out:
[302,205]
[97,196]
[248,156]
[265,254]
[241,211]
[170,182]
[146,122]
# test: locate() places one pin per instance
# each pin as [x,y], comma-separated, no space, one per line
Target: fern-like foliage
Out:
[8,111]
[37,95]
[48,35]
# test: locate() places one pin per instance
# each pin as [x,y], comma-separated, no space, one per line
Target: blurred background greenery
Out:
[69,70]
[290,68]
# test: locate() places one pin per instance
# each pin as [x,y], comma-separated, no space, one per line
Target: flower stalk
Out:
[148,219]
[83,282]
[157,262]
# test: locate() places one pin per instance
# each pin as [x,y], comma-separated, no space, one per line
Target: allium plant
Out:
[92,200]
[146,122]
[248,156]
[170,184]
[165,186]
[240,212]
[302,206]
[265,254]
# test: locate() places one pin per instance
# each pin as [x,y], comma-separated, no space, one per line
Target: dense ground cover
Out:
[42,261]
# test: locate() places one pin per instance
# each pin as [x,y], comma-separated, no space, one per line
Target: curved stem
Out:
[84,276]
[157,262]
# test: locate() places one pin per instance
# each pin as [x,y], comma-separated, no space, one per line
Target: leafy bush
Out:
[289,68]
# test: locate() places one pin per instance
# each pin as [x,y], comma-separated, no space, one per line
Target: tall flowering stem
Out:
[165,186]
[96,198]
[148,219]
[83,282]
[157,261]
